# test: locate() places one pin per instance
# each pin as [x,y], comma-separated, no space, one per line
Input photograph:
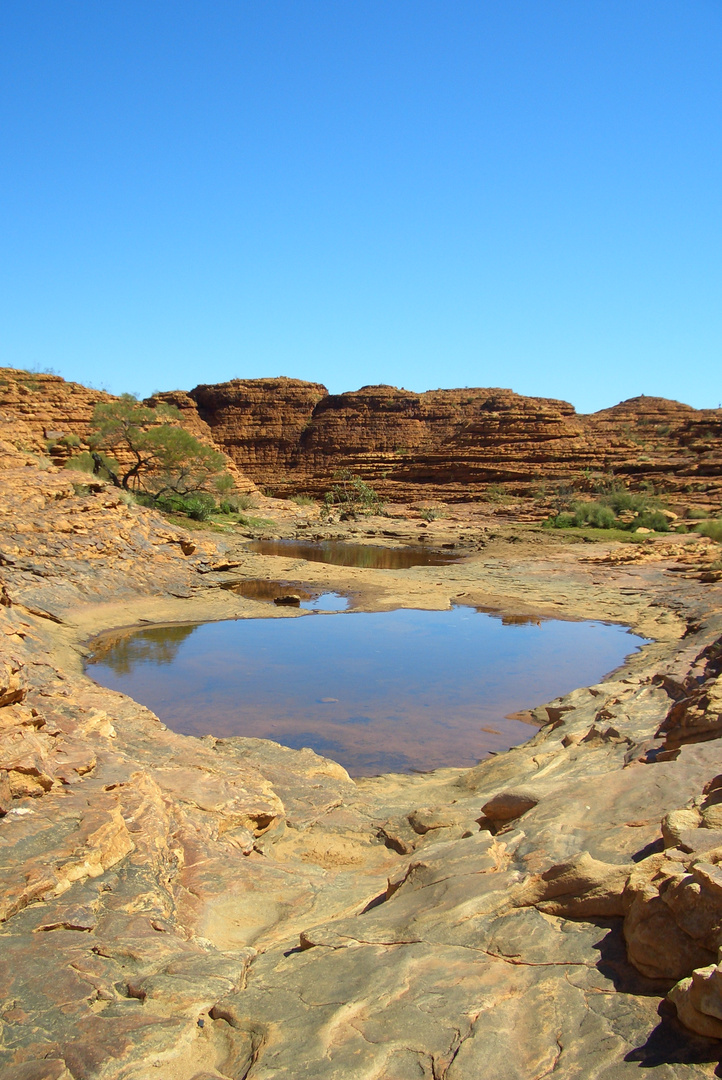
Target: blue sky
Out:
[522,193]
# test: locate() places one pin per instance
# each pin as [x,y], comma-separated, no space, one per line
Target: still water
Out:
[398,691]
[279,591]
[339,553]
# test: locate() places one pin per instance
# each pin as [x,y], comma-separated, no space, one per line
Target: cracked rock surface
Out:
[188,909]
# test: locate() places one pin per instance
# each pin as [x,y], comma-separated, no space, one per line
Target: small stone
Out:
[509,805]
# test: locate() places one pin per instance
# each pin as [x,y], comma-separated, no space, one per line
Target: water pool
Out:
[402,690]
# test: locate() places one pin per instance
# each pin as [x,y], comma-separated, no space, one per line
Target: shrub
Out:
[105,467]
[352,495]
[651,519]
[713,529]
[628,500]
[595,515]
[199,506]
[236,503]
[565,520]
[302,500]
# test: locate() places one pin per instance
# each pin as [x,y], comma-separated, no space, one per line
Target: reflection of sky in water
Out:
[328,601]
[397,690]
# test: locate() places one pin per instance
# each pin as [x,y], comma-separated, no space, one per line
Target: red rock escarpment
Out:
[293,436]
[452,444]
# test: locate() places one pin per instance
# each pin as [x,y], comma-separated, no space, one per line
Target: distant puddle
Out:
[287,593]
[398,691]
[340,553]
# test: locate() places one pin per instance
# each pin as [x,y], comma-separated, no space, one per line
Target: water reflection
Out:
[279,592]
[328,601]
[123,651]
[340,553]
[401,690]
[261,589]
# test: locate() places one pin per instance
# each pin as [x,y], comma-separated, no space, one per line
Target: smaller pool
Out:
[287,593]
[340,553]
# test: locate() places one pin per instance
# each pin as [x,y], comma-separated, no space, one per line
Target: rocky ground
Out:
[188,909]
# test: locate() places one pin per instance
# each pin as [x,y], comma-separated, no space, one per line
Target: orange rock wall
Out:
[290,436]
[451,444]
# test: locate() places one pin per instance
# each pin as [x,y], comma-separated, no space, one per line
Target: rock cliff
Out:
[454,444]
[290,436]
[39,410]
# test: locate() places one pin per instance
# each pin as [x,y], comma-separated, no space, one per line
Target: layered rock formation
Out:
[291,436]
[454,444]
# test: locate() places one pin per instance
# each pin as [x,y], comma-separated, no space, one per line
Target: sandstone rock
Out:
[156,887]
[290,435]
[509,805]
[44,1069]
[5,793]
[581,888]
[698,1001]
[427,818]
[677,822]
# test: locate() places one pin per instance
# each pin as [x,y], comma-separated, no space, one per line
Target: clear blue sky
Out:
[521,193]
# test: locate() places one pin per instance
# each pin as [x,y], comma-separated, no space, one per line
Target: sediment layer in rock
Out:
[455,444]
[290,436]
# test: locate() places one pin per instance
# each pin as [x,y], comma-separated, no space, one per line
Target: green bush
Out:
[235,504]
[628,500]
[85,463]
[713,529]
[302,500]
[595,515]
[696,513]
[565,520]
[652,519]
[351,495]
[198,507]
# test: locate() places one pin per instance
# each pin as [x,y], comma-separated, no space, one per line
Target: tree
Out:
[351,495]
[159,457]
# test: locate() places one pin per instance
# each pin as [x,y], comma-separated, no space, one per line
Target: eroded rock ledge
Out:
[194,909]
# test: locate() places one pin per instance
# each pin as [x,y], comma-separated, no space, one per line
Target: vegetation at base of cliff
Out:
[712,529]
[160,459]
[351,495]
[302,500]
[588,535]
[618,509]
[203,508]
